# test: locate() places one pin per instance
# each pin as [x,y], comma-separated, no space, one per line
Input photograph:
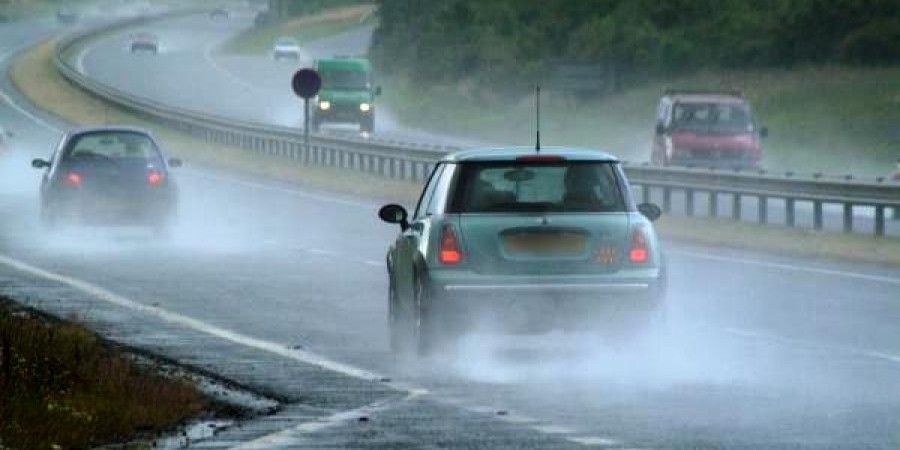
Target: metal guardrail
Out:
[413,161]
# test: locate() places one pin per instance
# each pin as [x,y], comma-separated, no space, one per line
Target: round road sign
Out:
[306,83]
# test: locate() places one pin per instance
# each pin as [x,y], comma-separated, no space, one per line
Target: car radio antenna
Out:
[537,104]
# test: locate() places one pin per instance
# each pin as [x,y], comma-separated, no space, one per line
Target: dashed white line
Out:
[751,334]
[293,436]
[594,441]
[283,190]
[792,267]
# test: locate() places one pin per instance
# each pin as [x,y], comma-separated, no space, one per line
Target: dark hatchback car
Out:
[108,176]
[512,238]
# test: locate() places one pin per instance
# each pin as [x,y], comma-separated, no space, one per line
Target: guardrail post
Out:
[713,204]
[817,215]
[789,217]
[879,220]
[689,202]
[736,206]
[667,199]
[848,217]
[645,193]
[763,209]
[402,169]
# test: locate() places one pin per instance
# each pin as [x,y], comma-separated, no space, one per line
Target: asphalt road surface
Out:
[283,288]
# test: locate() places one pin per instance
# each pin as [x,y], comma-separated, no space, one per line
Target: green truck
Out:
[347,94]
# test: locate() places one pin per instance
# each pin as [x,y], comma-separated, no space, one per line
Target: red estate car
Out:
[706,129]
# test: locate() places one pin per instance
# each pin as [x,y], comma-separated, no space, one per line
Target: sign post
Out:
[306,84]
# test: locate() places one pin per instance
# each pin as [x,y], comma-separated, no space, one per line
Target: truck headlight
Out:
[365,107]
[324,105]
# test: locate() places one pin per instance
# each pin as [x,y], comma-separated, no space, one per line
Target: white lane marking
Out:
[15,105]
[194,324]
[792,267]
[207,55]
[283,190]
[552,429]
[295,435]
[594,441]
[751,334]
[28,114]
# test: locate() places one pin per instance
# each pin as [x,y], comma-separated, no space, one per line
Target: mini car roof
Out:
[513,153]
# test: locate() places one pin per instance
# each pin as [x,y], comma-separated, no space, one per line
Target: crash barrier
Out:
[414,161]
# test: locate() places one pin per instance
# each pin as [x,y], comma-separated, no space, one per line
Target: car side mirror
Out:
[40,163]
[394,213]
[650,211]
[764,132]
[377,90]
[175,163]
[660,129]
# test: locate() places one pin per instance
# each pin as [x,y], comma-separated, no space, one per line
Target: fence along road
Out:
[769,198]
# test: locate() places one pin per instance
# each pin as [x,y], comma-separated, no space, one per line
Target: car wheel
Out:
[411,325]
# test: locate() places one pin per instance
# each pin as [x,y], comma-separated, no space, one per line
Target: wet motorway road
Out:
[283,288]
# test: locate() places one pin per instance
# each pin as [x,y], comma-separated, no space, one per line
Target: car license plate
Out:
[544,243]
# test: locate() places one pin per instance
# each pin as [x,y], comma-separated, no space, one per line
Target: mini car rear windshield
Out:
[524,187]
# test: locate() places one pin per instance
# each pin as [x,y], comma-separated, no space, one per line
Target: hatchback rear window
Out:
[114,145]
[520,187]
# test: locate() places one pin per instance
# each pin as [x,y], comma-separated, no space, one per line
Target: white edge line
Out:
[175,318]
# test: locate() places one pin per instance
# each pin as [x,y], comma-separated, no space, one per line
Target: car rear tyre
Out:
[412,332]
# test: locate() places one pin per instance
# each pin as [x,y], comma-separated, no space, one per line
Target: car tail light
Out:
[449,252]
[154,178]
[73,179]
[639,252]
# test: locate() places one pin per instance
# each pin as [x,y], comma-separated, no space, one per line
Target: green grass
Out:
[830,119]
[259,41]
[63,387]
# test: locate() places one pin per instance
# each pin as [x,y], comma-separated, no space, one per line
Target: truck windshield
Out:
[517,187]
[712,117]
[345,79]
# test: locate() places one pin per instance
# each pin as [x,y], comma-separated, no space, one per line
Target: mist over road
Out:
[284,288]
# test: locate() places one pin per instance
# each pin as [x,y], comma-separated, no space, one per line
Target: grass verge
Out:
[63,387]
[259,40]
[829,119]
[35,76]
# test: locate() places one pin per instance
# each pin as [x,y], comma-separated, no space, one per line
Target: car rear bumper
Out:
[535,305]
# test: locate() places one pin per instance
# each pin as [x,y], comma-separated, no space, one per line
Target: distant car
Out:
[510,235]
[108,176]
[286,48]
[144,43]
[706,129]
[219,14]
[5,136]
[66,15]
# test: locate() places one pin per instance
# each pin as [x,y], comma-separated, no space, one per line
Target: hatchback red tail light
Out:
[449,252]
[73,179]
[639,252]
[154,178]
